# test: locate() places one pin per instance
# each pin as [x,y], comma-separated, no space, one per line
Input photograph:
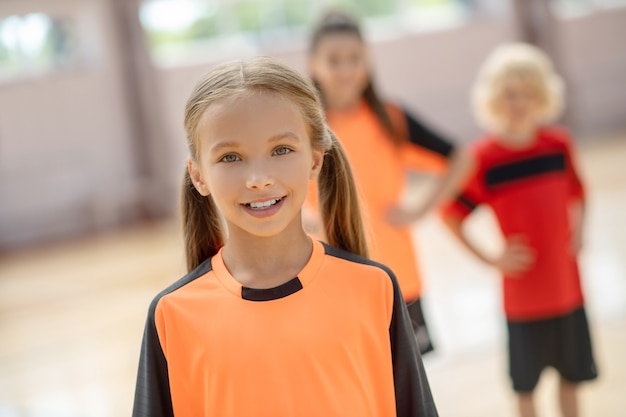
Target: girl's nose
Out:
[259,177]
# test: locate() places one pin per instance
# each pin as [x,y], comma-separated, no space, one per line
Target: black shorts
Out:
[562,342]
[419,326]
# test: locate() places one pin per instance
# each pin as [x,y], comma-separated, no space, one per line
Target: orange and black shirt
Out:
[530,191]
[334,341]
[380,167]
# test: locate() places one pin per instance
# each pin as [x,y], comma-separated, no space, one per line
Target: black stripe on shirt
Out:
[466,202]
[525,168]
[421,135]
[152,392]
[268,294]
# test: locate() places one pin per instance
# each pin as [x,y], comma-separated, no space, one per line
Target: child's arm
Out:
[413,395]
[577,192]
[460,165]
[577,215]
[516,258]
[152,393]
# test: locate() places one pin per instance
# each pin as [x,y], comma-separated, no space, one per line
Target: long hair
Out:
[336,22]
[202,223]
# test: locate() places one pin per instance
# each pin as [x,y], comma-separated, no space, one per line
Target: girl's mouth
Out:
[262,205]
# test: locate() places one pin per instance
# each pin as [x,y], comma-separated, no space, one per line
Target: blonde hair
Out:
[516,62]
[202,224]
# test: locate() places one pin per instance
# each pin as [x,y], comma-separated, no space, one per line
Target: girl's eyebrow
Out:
[284,135]
[223,145]
[276,138]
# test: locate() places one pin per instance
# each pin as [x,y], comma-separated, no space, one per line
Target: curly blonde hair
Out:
[516,63]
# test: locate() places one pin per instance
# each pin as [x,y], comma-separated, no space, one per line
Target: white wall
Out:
[592,54]
[65,154]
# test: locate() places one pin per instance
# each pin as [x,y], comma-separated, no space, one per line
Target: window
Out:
[33,43]
[573,8]
[179,29]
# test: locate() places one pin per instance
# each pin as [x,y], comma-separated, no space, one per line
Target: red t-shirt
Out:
[530,190]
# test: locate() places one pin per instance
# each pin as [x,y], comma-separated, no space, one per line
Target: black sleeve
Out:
[413,396]
[152,393]
[422,136]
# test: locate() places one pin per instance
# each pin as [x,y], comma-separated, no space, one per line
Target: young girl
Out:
[269,322]
[525,172]
[383,143]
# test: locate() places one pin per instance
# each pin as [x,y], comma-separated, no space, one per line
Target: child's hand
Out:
[517,257]
[399,216]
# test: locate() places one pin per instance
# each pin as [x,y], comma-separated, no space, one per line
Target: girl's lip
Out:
[263,200]
[266,211]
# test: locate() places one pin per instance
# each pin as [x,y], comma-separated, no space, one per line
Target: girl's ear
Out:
[196,177]
[318,160]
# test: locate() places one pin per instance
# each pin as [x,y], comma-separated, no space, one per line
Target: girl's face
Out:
[518,106]
[339,64]
[255,159]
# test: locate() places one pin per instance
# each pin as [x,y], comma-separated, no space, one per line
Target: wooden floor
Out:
[72,314]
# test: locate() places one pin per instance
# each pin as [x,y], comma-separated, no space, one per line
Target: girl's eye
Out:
[230,158]
[283,150]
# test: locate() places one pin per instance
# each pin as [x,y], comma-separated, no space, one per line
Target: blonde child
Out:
[384,143]
[269,322]
[526,173]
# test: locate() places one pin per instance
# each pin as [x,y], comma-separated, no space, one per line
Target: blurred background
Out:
[92,151]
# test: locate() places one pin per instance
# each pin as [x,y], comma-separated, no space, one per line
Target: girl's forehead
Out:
[237,99]
[252,111]
[336,40]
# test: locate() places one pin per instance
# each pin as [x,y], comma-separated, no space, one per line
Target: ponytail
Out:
[202,232]
[339,202]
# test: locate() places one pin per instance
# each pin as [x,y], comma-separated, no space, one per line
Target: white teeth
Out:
[264,204]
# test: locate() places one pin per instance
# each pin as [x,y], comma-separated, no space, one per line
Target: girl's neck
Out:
[266,262]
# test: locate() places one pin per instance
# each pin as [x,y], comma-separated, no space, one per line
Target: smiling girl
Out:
[269,322]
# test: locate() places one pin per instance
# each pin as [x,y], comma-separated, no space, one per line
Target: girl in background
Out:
[384,143]
[269,322]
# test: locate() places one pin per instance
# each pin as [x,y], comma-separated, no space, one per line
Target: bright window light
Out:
[170,15]
[33,33]
[10,32]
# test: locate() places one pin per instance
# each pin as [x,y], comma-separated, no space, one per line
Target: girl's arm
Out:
[516,258]
[152,393]
[460,166]
[413,395]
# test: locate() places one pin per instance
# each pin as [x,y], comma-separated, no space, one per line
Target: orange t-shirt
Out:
[380,169]
[333,341]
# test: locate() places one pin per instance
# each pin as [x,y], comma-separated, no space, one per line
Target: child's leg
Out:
[568,398]
[526,404]
[574,361]
[527,359]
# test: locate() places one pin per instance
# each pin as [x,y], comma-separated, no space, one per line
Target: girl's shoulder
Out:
[182,283]
[350,260]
